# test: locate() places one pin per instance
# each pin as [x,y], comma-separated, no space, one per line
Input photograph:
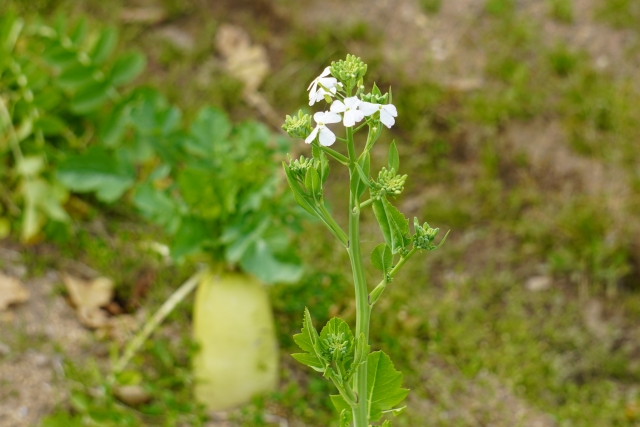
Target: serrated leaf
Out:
[127,67]
[310,360]
[308,337]
[104,45]
[312,182]
[394,157]
[339,403]
[384,385]
[393,224]
[382,258]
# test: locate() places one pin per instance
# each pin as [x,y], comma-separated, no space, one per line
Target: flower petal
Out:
[319,117]
[386,118]
[349,119]
[325,72]
[368,108]
[391,109]
[311,136]
[331,117]
[338,107]
[352,102]
[328,82]
[327,137]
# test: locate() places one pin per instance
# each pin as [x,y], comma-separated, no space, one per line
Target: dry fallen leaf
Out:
[12,291]
[88,296]
[246,62]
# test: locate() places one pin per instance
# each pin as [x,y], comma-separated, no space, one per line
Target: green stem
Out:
[377,291]
[333,153]
[366,203]
[360,411]
[134,345]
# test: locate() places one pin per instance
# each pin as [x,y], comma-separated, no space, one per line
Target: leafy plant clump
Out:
[54,81]
[368,385]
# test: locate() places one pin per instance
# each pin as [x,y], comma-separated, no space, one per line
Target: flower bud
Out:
[298,126]
[388,183]
[299,167]
[350,71]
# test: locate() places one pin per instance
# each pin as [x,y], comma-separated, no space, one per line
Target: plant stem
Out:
[360,412]
[134,345]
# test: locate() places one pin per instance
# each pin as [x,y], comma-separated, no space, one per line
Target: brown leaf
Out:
[248,63]
[12,291]
[88,296]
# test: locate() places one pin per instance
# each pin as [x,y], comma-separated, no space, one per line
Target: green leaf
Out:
[394,158]
[382,258]
[209,130]
[360,355]
[346,416]
[312,183]
[156,205]
[337,326]
[310,360]
[386,423]
[50,125]
[299,193]
[261,261]
[383,385]
[97,171]
[78,32]
[394,225]
[307,340]
[364,164]
[190,237]
[339,403]
[127,67]
[90,97]
[42,200]
[104,45]
[75,77]
[114,126]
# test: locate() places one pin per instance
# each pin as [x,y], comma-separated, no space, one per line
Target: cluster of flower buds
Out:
[300,166]
[424,236]
[350,71]
[336,347]
[298,126]
[375,98]
[388,184]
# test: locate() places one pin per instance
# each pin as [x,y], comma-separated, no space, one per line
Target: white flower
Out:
[350,109]
[387,112]
[326,136]
[326,83]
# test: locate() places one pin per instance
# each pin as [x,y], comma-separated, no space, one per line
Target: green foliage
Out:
[52,81]
[561,10]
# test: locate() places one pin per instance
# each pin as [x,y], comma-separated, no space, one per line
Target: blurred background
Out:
[519,128]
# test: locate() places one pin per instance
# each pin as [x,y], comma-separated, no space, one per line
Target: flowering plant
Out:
[368,385]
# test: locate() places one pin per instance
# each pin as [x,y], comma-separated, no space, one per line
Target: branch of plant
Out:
[377,291]
[134,345]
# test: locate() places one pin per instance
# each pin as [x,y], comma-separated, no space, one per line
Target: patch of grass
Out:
[561,10]
[500,8]
[431,7]
[620,13]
